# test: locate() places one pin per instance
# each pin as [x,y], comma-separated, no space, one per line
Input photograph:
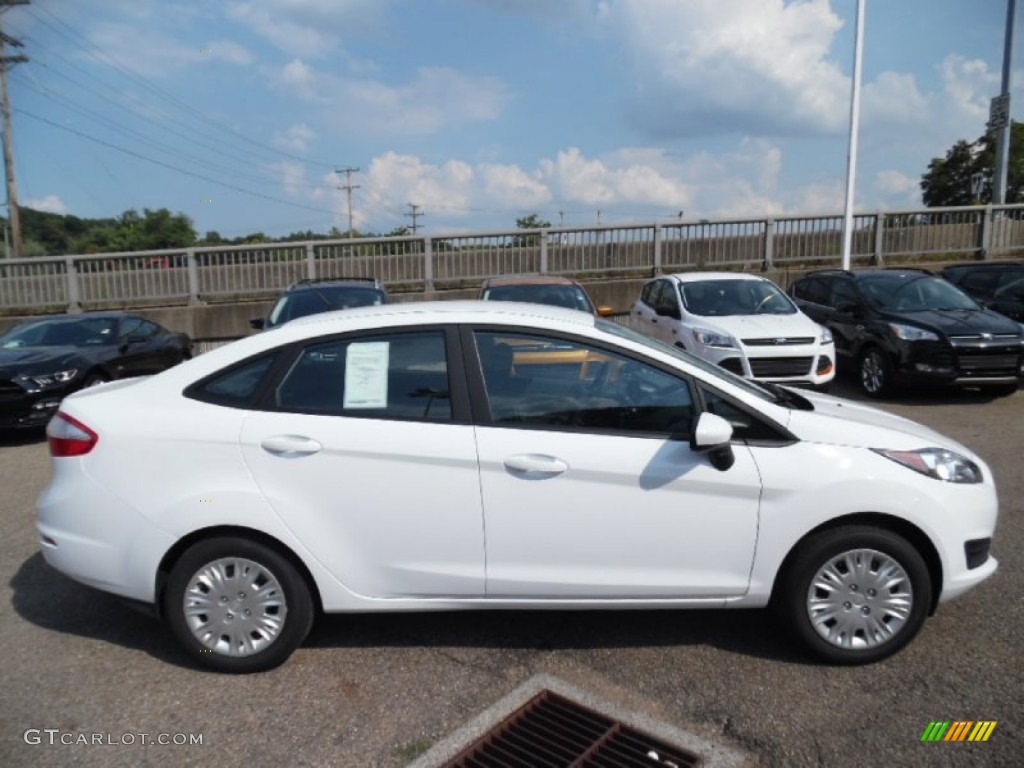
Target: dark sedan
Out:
[43,360]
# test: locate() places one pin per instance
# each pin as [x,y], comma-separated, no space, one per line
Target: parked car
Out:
[744,323]
[553,290]
[909,326]
[998,285]
[367,460]
[42,360]
[309,297]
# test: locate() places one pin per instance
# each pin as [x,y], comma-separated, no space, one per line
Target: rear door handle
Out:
[535,465]
[290,446]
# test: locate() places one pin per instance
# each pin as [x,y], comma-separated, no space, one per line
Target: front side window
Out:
[399,376]
[544,381]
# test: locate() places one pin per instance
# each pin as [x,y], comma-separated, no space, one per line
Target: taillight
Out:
[69,437]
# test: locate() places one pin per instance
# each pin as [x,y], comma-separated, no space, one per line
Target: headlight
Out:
[910,333]
[826,335]
[938,463]
[712,338]
[40,381]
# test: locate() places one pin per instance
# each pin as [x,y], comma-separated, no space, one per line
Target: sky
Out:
[239,113]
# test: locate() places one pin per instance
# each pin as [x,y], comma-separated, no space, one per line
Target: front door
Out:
[589,485]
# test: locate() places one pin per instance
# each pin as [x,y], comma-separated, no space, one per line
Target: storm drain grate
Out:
[552,731]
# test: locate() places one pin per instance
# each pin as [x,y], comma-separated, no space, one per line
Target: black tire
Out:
[861,613]
[274,626]
[93,379]
[875,373]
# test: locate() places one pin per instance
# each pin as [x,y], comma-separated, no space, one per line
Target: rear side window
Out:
[237,386]
[398,376]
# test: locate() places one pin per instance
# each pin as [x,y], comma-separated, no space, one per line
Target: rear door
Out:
[366,452]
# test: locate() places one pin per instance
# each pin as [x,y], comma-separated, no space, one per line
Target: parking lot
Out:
[380,690]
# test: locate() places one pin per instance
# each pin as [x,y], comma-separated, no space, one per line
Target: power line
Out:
[169,97]
[172,167]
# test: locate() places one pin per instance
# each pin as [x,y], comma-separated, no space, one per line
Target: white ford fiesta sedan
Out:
[496,455]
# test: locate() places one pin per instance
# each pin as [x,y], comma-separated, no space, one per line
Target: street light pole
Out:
[1003,128]
[851,158]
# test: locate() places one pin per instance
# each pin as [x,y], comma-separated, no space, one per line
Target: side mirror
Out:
[672,312]
[605,311]
[132,338]
[713,435]
[257,323]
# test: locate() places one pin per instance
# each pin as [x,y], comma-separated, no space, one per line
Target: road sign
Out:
[999,112]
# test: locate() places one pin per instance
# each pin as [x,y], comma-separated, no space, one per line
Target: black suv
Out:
[309,297]
[999,285]
[908,325]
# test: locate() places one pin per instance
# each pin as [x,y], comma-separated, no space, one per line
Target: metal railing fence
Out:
[435,262]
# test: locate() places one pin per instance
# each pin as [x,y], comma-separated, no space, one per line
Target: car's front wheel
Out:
[855,594]
[237,605]
[875,373]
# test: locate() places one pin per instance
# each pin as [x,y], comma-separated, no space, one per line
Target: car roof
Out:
[370,283]
[692,277]
[106,313]
[503,280]
[984,264]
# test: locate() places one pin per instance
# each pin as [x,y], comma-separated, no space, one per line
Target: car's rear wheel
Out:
[875,373]
[855,595]
[237,605]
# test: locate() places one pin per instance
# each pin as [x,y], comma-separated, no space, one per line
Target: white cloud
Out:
[297,138]
[293,176]
[49,204]
[435,98]
[753,66]
[309,28]
[148,52]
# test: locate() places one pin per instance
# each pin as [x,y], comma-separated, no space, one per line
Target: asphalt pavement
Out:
[88,681]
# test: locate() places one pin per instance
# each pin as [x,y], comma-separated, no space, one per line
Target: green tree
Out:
[531,221]
[952,180]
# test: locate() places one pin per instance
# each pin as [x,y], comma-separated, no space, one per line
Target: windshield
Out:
[897,293]
[324,298]
[567,296]
[724,297]
[714,370]
[61,333]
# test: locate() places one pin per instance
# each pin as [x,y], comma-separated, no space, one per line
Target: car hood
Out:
[836,421]
[35,359]
[957,322]
[761,326]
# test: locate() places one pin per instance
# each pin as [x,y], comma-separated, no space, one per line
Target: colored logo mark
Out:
[958,730]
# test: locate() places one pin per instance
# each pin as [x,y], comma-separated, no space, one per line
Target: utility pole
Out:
[348,186]
[414,214]
[999,120]
[6,62]
[561,218]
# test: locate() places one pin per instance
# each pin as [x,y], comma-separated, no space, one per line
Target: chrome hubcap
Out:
[859,599]
[234,606]
[871,373]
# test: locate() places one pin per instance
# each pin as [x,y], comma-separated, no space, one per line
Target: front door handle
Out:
[290,446]
[535,465]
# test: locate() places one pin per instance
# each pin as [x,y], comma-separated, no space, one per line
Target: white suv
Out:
[744,323]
